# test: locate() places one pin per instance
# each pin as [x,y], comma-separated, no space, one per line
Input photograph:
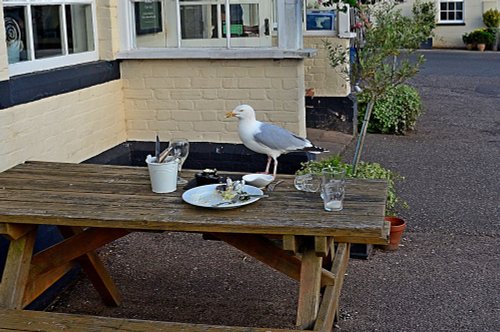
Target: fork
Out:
[238,198]
[273,185]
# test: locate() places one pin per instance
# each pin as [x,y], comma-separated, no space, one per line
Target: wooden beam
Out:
[36,287]
[290,244]
[16,271]
[28,320]
[329,306]
[322,245]
[72,248]
[96,271]
[15,231]
[265,251]
[310,287]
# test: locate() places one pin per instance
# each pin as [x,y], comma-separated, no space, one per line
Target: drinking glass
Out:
[307,182]
[180,151]
[332,188]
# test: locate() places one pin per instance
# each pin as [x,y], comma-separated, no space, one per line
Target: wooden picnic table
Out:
[93,205]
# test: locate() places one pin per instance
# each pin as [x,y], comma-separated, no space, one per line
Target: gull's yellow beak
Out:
[230,114]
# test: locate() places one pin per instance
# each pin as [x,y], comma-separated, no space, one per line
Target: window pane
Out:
[244,20]
[320,20]
[459,16]
[451,6]
[459,6]
[451,16]
[199,21]
[46,31]
[79,28]
[15,33]
[443,16]
[443,6]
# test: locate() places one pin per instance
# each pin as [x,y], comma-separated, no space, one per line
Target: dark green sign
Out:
[148,17]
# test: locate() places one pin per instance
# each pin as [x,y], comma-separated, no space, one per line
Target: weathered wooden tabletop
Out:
[93,205]
[121,197]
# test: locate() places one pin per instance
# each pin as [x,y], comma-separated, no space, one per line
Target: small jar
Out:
[207,176]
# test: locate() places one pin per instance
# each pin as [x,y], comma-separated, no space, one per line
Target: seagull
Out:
[267,138]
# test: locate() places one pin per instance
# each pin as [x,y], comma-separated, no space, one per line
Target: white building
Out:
[454,18]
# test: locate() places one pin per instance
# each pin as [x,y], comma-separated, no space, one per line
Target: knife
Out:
[157,149]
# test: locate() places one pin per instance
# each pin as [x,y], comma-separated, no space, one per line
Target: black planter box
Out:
[222,156]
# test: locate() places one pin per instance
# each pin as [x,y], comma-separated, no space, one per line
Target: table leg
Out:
[328,311]
[95,269]
[16,271]
[310,287]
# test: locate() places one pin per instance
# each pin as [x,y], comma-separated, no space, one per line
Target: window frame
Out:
[57,61]
[320,8]
[174,40]
[455,11]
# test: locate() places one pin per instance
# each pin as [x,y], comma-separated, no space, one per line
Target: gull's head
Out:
[242,112]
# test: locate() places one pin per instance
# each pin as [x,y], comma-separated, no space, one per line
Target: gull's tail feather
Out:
[315,149]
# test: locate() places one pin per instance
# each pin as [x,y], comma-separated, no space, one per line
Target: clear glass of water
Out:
[307,182]
[333,188]
[180,151]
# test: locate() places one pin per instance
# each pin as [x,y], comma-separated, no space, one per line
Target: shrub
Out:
[364,170]
[491,18]
[466,38]
[483,36]
[395,113]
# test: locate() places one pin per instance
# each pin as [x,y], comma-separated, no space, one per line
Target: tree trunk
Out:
[362,134]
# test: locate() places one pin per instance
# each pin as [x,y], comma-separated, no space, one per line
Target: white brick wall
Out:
[319,75]
[189,98]
[71,127]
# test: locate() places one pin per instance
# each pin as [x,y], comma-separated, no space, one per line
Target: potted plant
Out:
[368,170]
[491,18]
[468,41]
[482,37]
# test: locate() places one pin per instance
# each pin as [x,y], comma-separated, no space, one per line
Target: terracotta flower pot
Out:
[481,47]
[398,225]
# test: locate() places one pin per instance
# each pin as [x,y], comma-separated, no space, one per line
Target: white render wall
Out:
[450,36]
[71,127]
[189,98]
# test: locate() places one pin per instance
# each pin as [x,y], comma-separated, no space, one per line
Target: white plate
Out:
[207,196]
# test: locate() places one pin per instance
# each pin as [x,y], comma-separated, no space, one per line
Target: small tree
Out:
[384,51]
[491,18]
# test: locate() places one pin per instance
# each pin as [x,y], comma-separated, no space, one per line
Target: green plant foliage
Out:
[491,18]
[384,51]
[364,170]
[467,39]
[395,113]
[483,36]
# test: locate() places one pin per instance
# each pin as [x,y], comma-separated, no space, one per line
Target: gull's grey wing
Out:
[278,138]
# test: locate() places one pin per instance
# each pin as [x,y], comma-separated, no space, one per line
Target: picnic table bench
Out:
[93,205]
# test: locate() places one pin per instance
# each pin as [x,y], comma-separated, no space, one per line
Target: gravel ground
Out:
[444,277]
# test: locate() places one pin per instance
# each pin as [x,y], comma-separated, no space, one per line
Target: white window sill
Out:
[216,53]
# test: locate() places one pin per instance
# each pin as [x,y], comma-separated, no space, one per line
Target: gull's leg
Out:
[268,164]
[275,167]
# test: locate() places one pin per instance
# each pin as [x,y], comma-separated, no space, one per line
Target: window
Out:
[319,20]
[451,11]
[200,23]
[45,34]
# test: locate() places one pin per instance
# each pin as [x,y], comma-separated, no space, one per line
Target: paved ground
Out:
[445,277]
